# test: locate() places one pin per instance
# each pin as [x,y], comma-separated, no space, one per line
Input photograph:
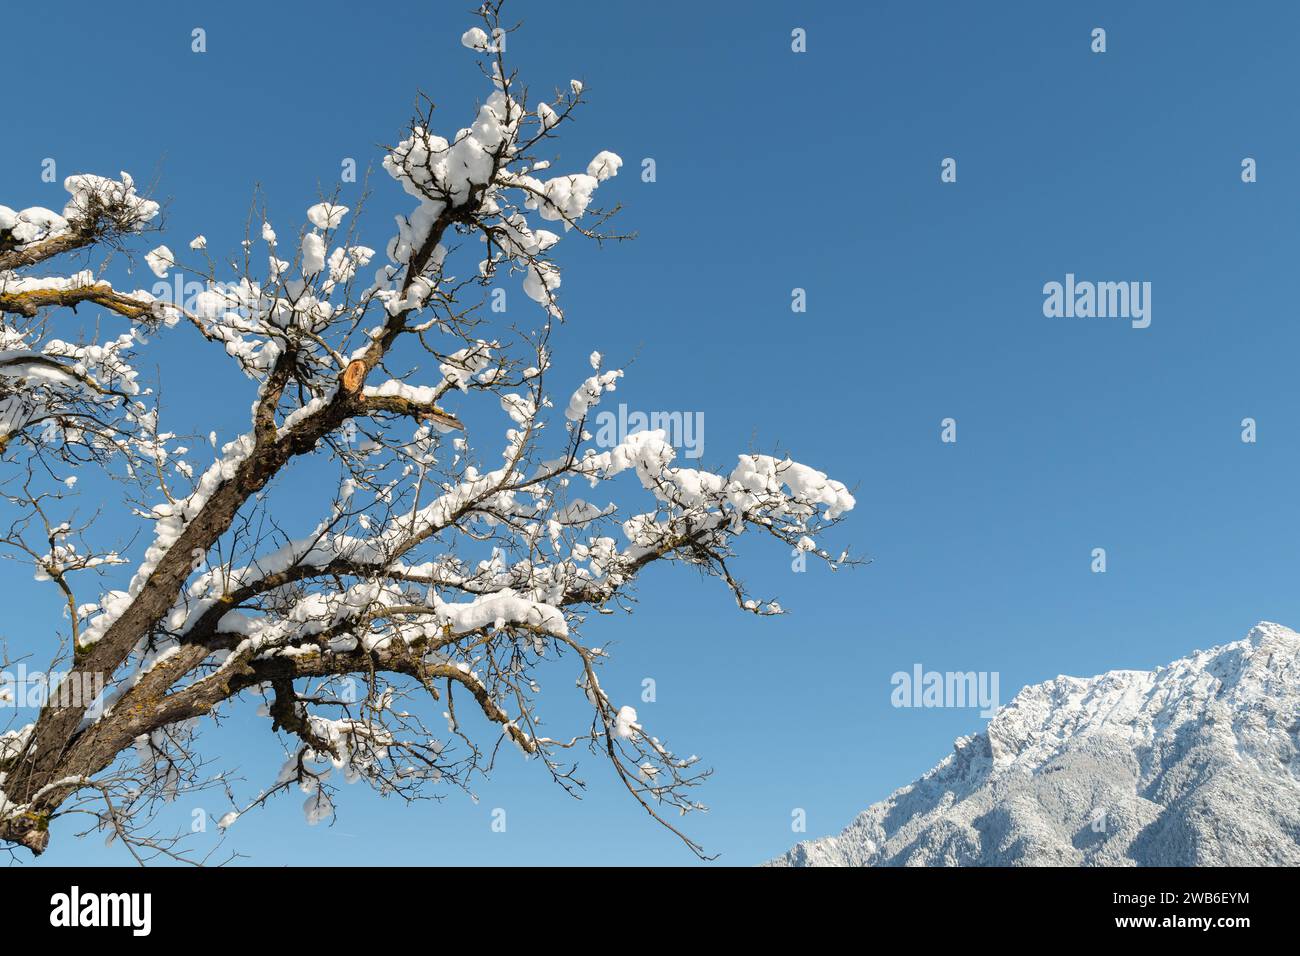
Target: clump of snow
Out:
[160,261]
[625,724]
[605,166]
[326,215]
[313,254]
[98,197]
[474,39]
[589,393]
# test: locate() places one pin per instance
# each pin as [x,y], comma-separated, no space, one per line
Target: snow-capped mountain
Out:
[1193,764]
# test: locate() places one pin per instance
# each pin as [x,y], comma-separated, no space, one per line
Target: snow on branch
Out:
[470,530]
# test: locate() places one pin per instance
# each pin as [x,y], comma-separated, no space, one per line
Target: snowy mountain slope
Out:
[1191,764]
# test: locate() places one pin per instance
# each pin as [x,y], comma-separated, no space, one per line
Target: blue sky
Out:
[778,170]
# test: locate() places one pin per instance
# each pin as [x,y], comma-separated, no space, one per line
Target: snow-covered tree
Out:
[442,572]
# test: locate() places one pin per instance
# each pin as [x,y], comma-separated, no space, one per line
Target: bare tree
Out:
[433,574]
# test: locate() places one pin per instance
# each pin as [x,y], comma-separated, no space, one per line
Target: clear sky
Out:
[776,170]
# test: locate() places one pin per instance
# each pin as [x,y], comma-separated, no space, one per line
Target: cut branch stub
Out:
[353,376]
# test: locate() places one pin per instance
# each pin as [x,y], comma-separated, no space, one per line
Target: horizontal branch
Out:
[420,411]
[29,302]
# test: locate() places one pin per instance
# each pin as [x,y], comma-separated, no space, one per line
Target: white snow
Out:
[326,215]
[160,261]
[474,39]
[625,724]
[605,166]
[313,254]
